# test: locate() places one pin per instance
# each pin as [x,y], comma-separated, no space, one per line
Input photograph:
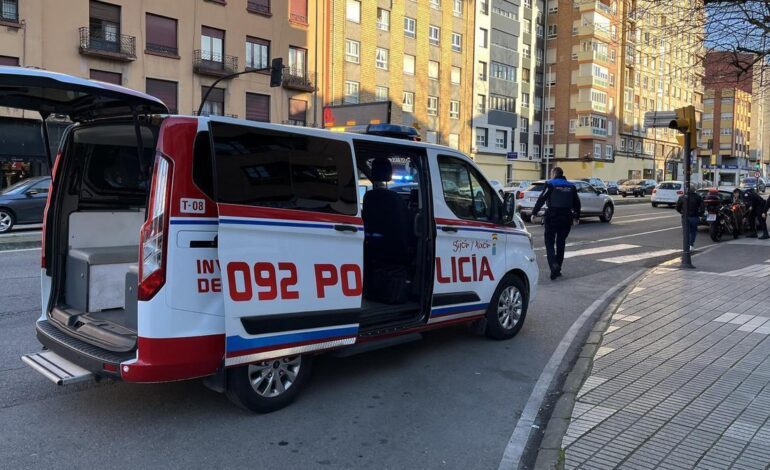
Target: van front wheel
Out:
[508,308]
[270,385]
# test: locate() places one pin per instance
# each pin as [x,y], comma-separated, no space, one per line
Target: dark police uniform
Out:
[563,207]
[758,206]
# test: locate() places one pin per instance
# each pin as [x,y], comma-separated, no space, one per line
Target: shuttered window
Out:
[297,112]
[212,44]
[161,34]
[257,107]
[298,11]
[6,60]
[109,77]
[215,103]
[104,11]
[165,91]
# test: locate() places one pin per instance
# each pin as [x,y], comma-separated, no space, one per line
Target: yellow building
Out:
[726,135]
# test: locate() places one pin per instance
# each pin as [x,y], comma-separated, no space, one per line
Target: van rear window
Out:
[675,186]
[268,168]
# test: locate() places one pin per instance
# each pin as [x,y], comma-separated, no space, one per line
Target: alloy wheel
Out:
[509,307]
[5,221]
[272,378]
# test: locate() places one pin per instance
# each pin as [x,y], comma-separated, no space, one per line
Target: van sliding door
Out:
[290,241]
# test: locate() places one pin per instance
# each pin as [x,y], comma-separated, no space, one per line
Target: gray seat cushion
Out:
[106,255]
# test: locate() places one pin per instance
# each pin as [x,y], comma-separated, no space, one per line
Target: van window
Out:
[674,186]
[202,165]
[466,193]
[269,168]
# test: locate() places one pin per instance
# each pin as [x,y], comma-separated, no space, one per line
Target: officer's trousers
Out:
[556,231]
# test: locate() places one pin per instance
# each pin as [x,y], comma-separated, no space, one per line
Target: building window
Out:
[104,24]
[10,11]
[457,7]
[435,4]
[8,60]
[483,38]
[407,104]
[482,71]
[551,31]
[481,136]
[502,71]
[352,50]
[527,26]
[107,77]
[481,104]
[527,3]
[597,150]
[410,26]
[572,124]
[608,151]
[502,103]
[298,12]
[523,149]
[454,109]
[434,35]
[433,68]
[526,51]
[261,7]
[454,141]
[523,125]
[622,144]
[501,138]
[456,75]
[431,137]
[457,42]
[165,91]
[297,112]
[432,106]
[381,93]
[215,103]
[408,64]
[383,19]
[525,74]
[257,107]
[353,11]
[212,44]
[161,34]
[381,58]
[297,62]
[524,99]
[351,92]
[548,127]
[257,53]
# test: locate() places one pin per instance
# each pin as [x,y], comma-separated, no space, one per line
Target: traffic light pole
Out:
[686,254]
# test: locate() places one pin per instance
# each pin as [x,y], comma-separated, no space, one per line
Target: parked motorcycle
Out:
[721,220]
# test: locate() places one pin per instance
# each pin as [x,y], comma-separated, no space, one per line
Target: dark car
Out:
[724,196]
[637,188]
[612,187]
[754,183]
[23,202]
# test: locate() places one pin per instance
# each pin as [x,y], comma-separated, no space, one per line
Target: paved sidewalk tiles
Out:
[682,377]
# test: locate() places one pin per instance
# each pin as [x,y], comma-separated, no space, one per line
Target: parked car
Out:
[596,183]
[667,192]
[612,187]
[23,202]
[517,187]
[593,203]
[758,184]
[637,188]
[725,195]
[498,186]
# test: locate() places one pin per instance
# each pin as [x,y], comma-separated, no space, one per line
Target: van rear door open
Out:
[290,241]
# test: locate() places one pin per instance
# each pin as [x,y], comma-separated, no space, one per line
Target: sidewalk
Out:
[681,377]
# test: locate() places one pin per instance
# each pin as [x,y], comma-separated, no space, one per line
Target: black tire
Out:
[623,194]
[497,322]
[526,218]
[607,212]
[654,204]
[715,232]
[241,392]
[7,220]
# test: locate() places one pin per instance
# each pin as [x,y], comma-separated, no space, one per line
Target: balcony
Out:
[593,30]
[595,6]
[588,132]
[590,106]
[119,47]
[294,79]
[216,65]
[593,56]
[592,81]
[258,7]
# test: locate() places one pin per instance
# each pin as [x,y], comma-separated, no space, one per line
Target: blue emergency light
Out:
[395,131]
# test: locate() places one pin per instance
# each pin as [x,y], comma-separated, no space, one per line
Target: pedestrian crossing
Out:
[633,253]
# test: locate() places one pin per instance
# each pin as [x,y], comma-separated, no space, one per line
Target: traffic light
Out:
[276,72]
[685,123]
[757,166]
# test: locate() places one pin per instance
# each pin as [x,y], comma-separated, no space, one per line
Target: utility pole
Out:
[548,134]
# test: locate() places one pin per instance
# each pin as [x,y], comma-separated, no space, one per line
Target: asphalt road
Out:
[451,400]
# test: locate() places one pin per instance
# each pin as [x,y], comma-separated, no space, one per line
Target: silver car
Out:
[593,203]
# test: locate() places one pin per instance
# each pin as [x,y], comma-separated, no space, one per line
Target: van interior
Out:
[95,240]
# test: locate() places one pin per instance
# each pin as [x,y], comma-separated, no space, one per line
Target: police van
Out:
[178,247]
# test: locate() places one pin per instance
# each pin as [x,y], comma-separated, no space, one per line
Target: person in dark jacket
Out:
[563,207]
[693,211]
[757,214]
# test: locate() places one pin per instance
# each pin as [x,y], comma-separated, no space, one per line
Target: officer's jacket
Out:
[562,198]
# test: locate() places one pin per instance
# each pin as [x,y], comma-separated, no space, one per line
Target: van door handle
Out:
[345,228]
[447,228]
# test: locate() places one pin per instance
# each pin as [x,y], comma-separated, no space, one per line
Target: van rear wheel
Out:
[508,308]
[267,386]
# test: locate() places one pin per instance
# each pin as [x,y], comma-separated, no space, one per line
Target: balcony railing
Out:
[588,132]
[210,63]
[111,46]
[299,19]
[296,79]
[163,49]
[258,7]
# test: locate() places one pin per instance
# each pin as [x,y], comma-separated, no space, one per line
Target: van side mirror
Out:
[509,207]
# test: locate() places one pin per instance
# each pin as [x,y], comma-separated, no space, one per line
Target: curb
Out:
[629,201]
[550,454]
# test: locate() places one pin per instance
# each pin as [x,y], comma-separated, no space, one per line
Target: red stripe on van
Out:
[233,210]
[166,359]
[468,223]
[247,352]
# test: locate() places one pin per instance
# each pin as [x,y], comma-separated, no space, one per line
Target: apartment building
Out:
[507,89]
[726,133]
[173,53]
[415,54]
[608,63]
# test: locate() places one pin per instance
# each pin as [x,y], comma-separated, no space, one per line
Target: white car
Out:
[593,203]
[667,192]
[498,186]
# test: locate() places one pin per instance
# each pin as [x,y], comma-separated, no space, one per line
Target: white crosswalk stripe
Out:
[754,270]
[639,256]
[601,249]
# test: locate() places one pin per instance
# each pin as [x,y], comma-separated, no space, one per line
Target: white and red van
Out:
[177,247]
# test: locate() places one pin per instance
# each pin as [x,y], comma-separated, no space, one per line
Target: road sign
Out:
[757,174]
[511,156]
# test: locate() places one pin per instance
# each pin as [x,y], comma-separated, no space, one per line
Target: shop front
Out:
[22,148]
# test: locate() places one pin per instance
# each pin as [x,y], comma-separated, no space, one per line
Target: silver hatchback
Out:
[593,203]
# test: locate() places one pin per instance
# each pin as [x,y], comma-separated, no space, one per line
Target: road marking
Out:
[636,215]
[754,270]
[518,441]
[639,256]
[646,219]
[602,249]
[20,249]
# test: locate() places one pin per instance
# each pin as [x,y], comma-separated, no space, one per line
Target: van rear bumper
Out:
[92,358]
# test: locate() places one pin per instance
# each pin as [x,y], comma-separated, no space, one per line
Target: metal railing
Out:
[119,46]
[297,79]
[210,63]
[9,15]
[258,7]
[162,49]
[295,18]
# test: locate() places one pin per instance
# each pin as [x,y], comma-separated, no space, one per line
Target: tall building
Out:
[507,89]
[171,52]
[608,63]
[415,54]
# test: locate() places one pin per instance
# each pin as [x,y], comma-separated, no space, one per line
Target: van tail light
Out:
[679,193]
[153,241]
[54,171]
[519,195]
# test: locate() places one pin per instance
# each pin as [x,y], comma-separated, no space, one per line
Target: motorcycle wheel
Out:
[715,231]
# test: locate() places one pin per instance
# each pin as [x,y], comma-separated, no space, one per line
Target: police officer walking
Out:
[563,207]
[757,211]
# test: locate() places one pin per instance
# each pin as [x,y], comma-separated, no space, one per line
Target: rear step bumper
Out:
[94,359]
[57,369]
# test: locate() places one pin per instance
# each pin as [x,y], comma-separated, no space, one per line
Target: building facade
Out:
[507,89]
[726,132]
[176,53]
